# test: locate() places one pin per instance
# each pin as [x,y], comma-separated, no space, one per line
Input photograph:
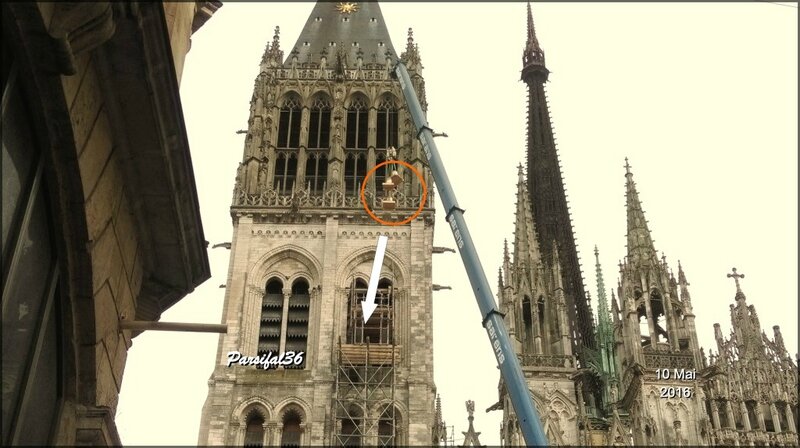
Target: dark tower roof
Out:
[351,27]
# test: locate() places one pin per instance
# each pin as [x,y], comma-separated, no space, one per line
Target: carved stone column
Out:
[272,429]
[287,292]
[790,418]
[776,421]
[715,413]
[239,433]
[729,414]
[745,415]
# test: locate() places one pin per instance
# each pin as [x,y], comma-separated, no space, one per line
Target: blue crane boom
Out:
[529,421]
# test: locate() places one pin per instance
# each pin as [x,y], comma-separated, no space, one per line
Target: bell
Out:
[388,186]
[388,203]
[396,178]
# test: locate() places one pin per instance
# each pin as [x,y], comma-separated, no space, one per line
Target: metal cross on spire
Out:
[736,276]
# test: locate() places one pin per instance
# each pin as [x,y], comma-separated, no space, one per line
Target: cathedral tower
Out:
[547,194]
[323,123]
[531,295]
[658,353]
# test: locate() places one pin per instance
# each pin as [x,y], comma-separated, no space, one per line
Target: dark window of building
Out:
[527,320]
[297,321]
[289,123]
[387,123]
[751,414]
[285,172]
[379,329]
[292,432]
[31,321]
[254,431]
[355,169]
[269,335]
[350,423]
[316,171]
[381,173]
[357,123]
[388,426]
[319,128]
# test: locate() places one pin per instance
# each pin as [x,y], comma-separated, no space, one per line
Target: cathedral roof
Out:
[352,28]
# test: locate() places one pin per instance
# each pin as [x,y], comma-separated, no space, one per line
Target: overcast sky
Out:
[702,99]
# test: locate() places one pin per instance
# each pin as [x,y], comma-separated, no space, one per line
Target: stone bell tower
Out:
[323,121]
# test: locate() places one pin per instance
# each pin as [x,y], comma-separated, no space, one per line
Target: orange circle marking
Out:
[421,203]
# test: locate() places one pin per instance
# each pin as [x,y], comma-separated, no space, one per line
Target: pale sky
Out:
[702,99]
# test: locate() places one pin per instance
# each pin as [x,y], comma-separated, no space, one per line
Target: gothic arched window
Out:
[380,173]
[357,123]
[254,429]
[389,427]
[379,329]
[316,170]
[527,319]
[355,168]
[269,335]
[387,123]
[289,123]
[291,434]
[350,425]
[285,172]
[540,309]
[319,127]
[297,320]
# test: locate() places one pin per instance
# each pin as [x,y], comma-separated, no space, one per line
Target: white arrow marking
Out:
[368,304]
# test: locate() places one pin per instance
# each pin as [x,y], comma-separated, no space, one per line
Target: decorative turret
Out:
[411,55]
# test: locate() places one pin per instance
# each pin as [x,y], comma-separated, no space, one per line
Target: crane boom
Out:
[529,421]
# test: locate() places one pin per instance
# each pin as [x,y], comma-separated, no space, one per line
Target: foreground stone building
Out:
[100,216]
[323,119]
[636,375]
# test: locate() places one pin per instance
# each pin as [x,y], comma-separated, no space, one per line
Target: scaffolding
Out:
[365,413]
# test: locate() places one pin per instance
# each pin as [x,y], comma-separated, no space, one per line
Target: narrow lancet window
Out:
[319,126]
[291,433]
[269,335]
[357,123]
[387,123]
[289,123]
[316,171]
[297,321]
[379,329]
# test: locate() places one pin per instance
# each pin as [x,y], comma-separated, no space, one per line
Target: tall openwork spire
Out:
[640,243]
[548,199]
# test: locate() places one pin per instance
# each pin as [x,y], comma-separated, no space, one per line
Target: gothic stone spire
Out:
[548,197]
[640,243]
[526,246]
